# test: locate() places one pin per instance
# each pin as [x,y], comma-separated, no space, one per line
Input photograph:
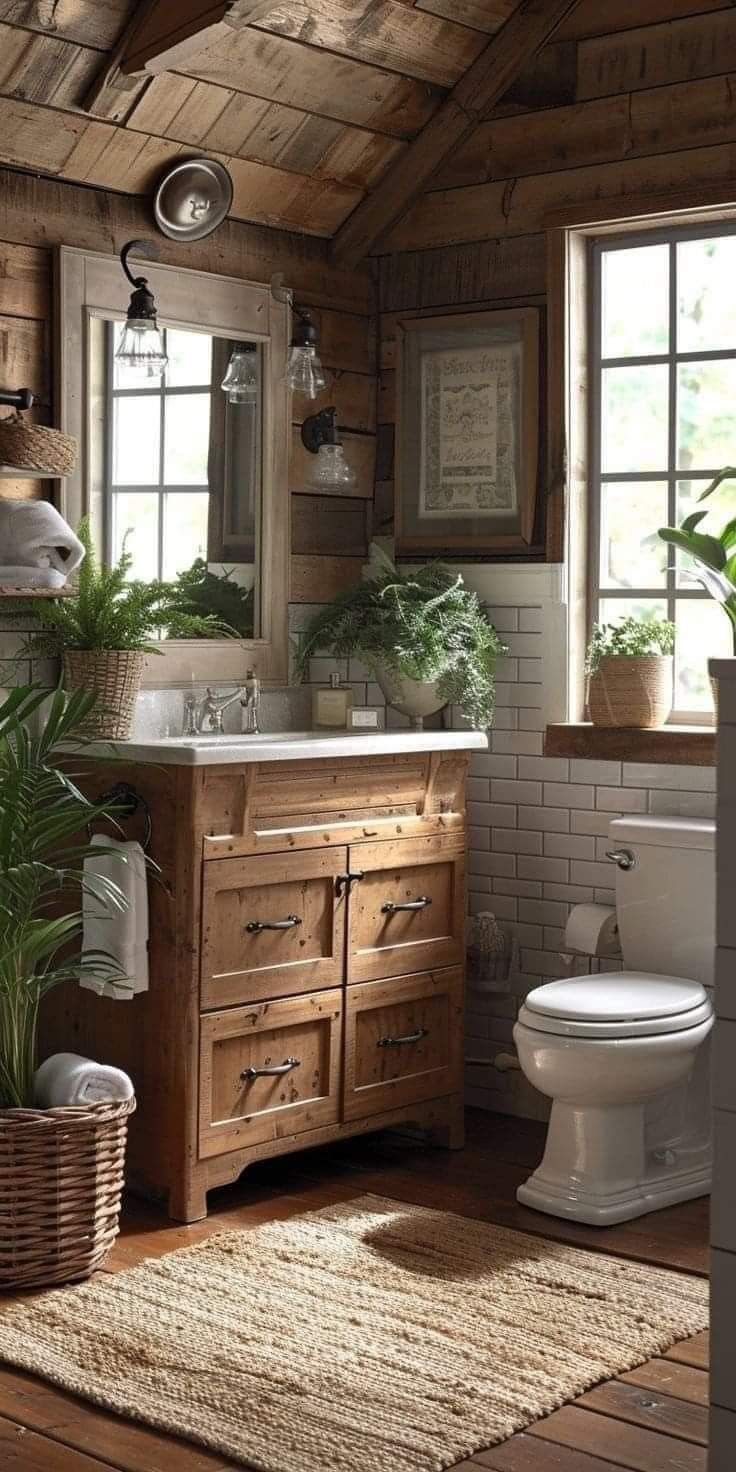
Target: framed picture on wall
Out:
[467,443]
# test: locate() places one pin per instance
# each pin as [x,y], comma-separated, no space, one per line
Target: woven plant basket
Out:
[631,690]
[61,1177]
[115,677]
[35,447]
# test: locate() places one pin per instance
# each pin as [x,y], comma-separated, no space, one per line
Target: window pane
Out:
[632,555]
[612,610]
[634,419]
[125,375]
[135,440]
[185,530]
[136,514]
[703,633]
[706,395]
[706,270]
[635,289]
[190,358]
[187,440]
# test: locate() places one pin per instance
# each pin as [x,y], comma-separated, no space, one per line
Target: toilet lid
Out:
[616,1005]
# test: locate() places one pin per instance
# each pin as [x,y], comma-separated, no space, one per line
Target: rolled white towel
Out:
[67,1078]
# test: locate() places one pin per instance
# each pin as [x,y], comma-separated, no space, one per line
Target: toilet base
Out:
[598,1170]
[598,1211]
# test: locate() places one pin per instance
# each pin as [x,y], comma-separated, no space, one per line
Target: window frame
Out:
[598,245]
[160,488]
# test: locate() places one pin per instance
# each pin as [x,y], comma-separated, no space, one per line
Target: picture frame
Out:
[467,433]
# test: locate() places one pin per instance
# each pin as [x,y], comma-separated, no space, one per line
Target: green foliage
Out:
[630,636]
[43,845]
[425,625]
[109,612]
[713,554]
[199,592]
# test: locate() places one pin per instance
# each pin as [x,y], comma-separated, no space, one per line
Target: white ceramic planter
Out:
[413,698]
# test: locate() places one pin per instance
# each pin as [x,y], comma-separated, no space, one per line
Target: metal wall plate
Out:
[192,199]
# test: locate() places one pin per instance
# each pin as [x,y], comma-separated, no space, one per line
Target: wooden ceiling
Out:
[331,115]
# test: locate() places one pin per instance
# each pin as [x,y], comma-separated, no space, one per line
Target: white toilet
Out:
[621,1055]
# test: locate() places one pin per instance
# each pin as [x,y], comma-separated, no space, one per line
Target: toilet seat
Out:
[617,1004]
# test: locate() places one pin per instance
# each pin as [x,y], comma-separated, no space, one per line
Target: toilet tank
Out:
[666,901]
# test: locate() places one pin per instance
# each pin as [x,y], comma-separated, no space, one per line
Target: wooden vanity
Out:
[306,958]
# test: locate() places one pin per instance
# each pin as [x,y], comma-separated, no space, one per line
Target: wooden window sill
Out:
[693,746]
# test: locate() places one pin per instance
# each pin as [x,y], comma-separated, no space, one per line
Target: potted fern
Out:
[103,634]
[60,1169]
[629,665]
[423,634]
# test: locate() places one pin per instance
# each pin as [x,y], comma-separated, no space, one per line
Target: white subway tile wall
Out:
[537,839]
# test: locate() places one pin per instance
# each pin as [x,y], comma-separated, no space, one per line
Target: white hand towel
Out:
[123,934]
[67,1078]
[35,534]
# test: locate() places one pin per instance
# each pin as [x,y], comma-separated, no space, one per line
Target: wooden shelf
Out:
[16,472]
[670,745]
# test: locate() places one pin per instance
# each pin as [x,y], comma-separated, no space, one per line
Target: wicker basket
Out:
[35,447]
[61,1177]
[115,677]
[631,690]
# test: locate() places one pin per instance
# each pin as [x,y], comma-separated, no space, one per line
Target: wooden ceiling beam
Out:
[161,36]
[491,75]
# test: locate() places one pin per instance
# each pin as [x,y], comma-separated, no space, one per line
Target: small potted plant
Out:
[61,1169]
[629,666]
[423,634]
[714,555]
[103,635]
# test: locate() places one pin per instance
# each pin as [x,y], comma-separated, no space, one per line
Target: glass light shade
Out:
[241,380]
[331,468]
[305,374]
[142,346]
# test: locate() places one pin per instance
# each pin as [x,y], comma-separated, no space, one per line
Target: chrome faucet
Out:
[212,707]
[250,699]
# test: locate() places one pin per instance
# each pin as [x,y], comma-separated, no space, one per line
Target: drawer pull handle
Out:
[254,927]
[345,882]
[271,1070]
[421,904]
[409,1037]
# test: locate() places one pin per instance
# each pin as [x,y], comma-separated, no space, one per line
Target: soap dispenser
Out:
[330,704]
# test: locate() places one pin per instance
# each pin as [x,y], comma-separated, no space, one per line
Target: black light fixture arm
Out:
[146,248]
[142,306]
[320,429]
[18,398]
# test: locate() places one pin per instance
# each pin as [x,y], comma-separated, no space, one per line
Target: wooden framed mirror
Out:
[193,485]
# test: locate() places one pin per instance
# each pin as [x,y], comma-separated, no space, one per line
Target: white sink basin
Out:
[210,748]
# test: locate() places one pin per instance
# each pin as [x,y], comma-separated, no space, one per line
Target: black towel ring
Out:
[125,798]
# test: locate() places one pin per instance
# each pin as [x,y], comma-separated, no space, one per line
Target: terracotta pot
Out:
[631,690]
[414,698]
[114,675]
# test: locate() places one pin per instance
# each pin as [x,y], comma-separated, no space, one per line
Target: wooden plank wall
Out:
[653,114]
[329,534]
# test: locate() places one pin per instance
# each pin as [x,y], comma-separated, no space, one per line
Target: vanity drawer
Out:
[272,926]
[407,912]
[403,1041]
[241,1103]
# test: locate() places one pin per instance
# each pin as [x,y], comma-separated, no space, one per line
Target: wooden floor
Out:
[651,1420]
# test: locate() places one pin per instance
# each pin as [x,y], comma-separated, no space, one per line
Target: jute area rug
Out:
[371,1336]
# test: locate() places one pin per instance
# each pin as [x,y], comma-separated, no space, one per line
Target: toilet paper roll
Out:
[592,930]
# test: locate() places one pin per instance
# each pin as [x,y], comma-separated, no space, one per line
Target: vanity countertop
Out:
[279,746]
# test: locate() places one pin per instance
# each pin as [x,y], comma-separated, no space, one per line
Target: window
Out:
[663,422]
[157,483]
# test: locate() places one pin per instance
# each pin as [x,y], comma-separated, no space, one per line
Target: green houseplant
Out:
[629,665]
[423,634]
[103,634]
[60,1169]
[713,552]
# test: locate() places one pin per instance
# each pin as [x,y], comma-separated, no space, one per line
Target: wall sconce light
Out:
[142,341]
[241,380]
[321,437]
[305,374]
